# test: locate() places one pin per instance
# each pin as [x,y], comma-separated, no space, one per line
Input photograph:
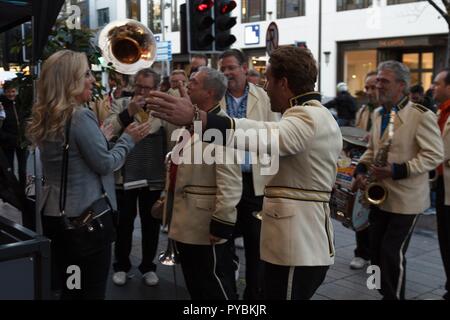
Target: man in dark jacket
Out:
[12,137]
[344,104]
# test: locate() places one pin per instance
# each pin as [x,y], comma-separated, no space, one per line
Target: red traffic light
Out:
[205,5]
[227,7]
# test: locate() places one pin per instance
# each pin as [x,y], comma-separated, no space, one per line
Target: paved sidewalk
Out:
[424,272]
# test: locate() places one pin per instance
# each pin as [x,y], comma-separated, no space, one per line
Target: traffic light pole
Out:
[165,66]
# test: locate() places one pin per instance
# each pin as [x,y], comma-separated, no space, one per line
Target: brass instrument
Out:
[376,193]
[128,45]
[170,256]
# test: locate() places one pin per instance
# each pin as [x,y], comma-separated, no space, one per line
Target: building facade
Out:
[347,37]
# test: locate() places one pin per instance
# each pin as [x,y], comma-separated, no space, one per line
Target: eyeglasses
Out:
[230,68]
[140,88]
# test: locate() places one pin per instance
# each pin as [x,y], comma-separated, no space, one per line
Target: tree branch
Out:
[441,12]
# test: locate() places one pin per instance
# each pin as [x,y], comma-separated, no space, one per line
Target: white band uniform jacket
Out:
[205,196]
[296,224]
[416,148]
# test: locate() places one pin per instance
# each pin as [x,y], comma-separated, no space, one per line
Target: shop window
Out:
[103,17]
[290,8]
[356,65]
[154,16]
[134,9]
[343,5]
[390,2]
[420,65]
[253,10]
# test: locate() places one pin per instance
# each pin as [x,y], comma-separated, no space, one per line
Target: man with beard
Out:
[415,149]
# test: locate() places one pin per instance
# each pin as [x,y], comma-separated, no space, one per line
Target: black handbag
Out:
[93,230]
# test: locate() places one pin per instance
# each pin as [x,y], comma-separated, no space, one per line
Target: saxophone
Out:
[376,193]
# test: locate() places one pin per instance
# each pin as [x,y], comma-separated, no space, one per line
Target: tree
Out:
[60,38]
[446,15]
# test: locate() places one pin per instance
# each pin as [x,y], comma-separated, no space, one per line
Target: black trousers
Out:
[389,239]
[292,283]
[22,156]
[208,271]
[443,228]
[127,205]
[94,269]
[362,244]
[249,227]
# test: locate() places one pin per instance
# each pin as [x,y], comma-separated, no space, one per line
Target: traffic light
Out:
[223,24]
[200,21]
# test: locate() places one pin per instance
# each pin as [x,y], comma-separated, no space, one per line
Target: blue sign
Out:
[157,38]
[164,51]
[252,34]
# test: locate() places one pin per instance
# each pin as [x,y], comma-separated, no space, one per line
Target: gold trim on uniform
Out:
[301,99]
[297,194]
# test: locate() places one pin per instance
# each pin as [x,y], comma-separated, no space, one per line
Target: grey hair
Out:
[214,80]
[401,72]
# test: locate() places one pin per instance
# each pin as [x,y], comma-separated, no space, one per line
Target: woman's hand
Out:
[107,130]
[138,131]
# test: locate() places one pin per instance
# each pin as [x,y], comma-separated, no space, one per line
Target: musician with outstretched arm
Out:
[407,136]
[297,235]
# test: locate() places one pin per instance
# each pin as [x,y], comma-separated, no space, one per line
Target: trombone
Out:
[170,256]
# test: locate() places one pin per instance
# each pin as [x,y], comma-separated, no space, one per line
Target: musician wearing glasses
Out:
[296,234]
[140,181]
[404,145]
[205,197]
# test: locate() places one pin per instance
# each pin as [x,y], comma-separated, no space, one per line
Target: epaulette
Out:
[420,107]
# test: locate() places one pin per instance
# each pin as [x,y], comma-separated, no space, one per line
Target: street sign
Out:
[164,51]
[251,35]
[272,38]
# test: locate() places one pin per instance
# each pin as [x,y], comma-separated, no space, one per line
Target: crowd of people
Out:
[120,150]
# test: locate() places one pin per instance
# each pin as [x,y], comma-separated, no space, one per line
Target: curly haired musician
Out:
[416,149]
[296,234]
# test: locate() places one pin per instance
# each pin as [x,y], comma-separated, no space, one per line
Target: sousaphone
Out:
[127,45]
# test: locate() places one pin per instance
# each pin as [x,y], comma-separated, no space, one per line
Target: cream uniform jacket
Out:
[205,195]
[446,164]
[258,108]
[362,117]
[296,227]
[416,148]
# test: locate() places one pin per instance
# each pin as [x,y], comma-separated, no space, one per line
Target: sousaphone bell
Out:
[127,45]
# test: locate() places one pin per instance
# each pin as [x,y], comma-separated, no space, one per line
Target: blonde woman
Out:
[64,87]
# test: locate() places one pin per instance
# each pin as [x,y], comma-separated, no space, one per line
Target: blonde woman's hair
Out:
[62,79]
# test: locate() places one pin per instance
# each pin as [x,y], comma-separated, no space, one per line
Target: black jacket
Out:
[344,104]
[12,132]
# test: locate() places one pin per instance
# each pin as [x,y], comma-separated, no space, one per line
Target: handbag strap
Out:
[64,173]
[64,169]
